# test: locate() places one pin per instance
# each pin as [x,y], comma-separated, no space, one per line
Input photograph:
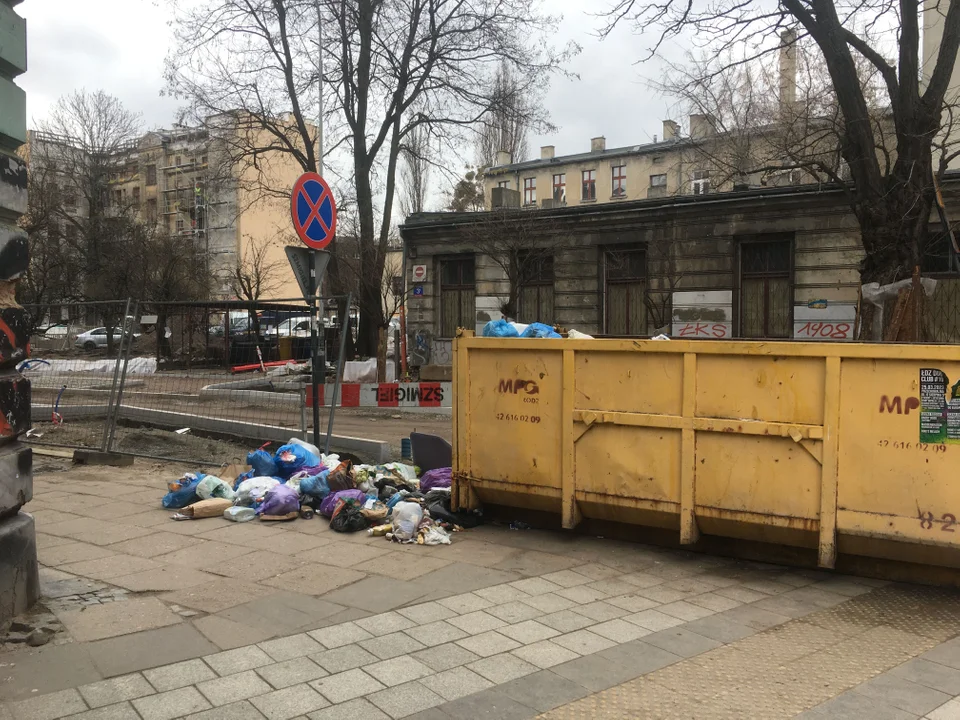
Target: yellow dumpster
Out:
[285,348]
[827,446]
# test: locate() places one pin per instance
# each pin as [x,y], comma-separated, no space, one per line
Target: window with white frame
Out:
[700,182]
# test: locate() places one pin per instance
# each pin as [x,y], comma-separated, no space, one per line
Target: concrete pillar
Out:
[19,580]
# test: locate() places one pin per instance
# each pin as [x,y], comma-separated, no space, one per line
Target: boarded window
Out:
[625,275]
[458,294]
[766,290]
[536,288]
[151,175]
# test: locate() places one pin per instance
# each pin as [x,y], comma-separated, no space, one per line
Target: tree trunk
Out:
[893,232]
[382,355]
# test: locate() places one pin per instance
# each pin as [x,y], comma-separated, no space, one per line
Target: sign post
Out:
[314,214]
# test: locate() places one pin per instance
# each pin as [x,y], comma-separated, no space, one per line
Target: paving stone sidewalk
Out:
[501,624]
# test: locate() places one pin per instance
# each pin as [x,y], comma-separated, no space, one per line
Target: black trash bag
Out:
[384,482]
[387,492]
[440,511]
[347,518]
[436,496]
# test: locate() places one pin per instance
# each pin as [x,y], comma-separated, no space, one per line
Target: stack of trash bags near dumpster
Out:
[297,481]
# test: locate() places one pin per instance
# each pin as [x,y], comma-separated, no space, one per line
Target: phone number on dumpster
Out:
[511,417]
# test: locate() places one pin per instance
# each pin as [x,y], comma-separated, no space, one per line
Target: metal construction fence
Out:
[185,381]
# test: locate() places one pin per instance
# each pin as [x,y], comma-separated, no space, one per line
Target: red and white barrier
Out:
[423,395]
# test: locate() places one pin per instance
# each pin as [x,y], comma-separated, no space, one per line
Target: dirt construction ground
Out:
[380,425]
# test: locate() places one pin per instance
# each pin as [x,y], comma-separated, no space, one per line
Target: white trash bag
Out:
[406,519]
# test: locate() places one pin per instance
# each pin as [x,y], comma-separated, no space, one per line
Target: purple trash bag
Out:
[433,479]
[280,500]
[329,503]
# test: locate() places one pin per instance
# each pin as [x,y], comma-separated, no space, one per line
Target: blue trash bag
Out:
[539,330]
[293,457]
[245,476]
[394,499]
[315,486]
[499,328]
[262,463]
[186,495]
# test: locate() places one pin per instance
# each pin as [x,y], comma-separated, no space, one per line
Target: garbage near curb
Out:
[251,491]
[439,478]
[280,501]
[341,477]
[293,457]
[347,516]
[436,535]
[297,482]
[214,507]
[238,513]
[329,503]
[182,492]
[214,487]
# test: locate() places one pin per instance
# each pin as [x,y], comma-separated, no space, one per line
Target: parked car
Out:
[97,338]
[293,327]
[58,330]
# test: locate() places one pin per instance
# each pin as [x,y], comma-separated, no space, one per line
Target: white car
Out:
[293,327]
[97,338]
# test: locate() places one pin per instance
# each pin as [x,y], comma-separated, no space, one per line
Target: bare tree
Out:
[255,276]
[85,144]
[503,128]
[522,243]
[891,194]
[417,159]
[389,66]
[759,127]
[51,275]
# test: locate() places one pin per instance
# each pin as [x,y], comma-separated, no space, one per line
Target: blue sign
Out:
[314,211]
[418,290]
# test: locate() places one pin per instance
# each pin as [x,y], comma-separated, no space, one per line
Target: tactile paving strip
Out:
[783,671]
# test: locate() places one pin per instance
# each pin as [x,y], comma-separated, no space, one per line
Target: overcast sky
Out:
[119,46]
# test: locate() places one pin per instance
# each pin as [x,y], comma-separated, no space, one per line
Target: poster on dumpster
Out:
[939,415]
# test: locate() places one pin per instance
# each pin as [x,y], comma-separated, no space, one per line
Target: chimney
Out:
[788,69]
[671,131]
[503,158]
[702,126]
[598,144]
[546,152]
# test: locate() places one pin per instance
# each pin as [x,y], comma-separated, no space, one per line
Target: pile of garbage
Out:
[509,329]
[298,481]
